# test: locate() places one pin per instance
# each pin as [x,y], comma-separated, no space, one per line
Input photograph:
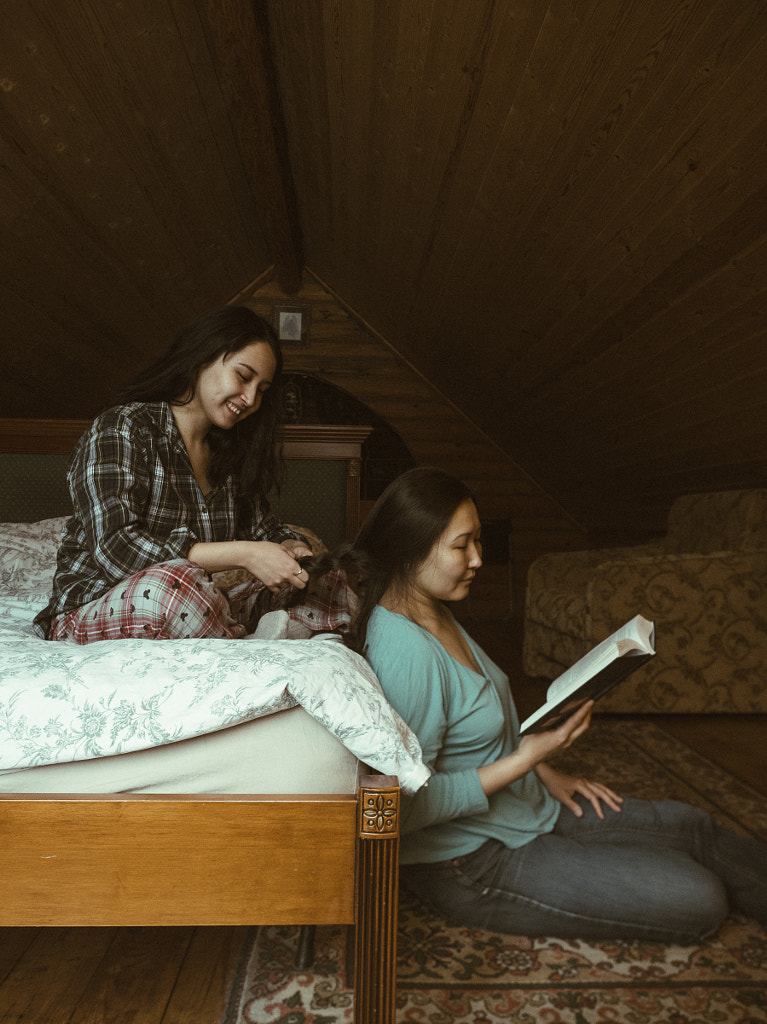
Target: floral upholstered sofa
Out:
[704,585]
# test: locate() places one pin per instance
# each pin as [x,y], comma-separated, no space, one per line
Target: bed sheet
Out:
[62,702]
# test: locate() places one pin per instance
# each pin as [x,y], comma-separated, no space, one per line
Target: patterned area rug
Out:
[453,975]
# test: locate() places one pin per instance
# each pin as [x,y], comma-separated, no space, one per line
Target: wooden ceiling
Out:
[556,210]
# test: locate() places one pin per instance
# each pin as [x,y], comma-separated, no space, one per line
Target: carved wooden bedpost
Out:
[377,900]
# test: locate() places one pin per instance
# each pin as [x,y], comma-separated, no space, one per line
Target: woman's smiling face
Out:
[447,572]
[231,388]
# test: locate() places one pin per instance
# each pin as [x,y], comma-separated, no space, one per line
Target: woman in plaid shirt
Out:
[170,487]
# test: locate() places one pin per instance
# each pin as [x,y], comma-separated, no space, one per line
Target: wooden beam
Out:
[239,35]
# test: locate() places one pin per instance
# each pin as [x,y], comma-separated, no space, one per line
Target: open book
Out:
[608,664]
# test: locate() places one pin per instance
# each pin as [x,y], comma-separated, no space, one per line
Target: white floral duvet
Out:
[64,702]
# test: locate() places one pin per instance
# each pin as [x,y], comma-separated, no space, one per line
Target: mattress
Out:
[285,752]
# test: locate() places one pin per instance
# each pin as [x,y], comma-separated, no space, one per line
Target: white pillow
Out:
[30,545]
[27,566]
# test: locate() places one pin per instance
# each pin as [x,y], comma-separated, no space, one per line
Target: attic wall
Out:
[344,351]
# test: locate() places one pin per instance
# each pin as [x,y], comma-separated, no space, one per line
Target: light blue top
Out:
[463,720]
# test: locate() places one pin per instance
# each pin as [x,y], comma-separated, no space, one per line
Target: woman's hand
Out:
[297,548]
[542,745]
[534,749]
[271,563]
[275,565]
[563,788]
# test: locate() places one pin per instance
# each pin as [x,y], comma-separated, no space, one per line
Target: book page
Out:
[588,665]
[636,634]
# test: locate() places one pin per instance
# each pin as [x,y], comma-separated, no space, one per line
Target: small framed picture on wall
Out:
[292,325]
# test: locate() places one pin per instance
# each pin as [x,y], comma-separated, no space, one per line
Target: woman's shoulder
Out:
[398,636]
[410,664]
[384,622]
[132,417]
[134,425]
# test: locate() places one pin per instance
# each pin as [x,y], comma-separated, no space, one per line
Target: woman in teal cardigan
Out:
[498,838]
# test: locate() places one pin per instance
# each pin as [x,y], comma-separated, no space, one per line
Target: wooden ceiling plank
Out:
[542,196]
[360,42]
[53,164]
[572,53]
[707,80]
[297,36]
[239,32]
[729,407]
[731,239]
[663,197]
[688,461]
[695,70]
[109,98]
[694,321]
[400,96]
[470,109]
[671,365]
[544,263]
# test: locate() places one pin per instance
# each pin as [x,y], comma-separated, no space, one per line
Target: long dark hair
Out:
[404,525]
[249,450]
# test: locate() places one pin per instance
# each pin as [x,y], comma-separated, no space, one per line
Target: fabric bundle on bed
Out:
[60,702]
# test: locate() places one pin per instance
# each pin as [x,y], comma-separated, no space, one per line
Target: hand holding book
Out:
[603,668]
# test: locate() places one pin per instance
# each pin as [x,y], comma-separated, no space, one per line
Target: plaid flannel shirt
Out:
[137,503]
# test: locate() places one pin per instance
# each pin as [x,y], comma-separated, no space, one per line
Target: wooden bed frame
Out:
[200,859]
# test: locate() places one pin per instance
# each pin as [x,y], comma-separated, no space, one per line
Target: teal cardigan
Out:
[462,720]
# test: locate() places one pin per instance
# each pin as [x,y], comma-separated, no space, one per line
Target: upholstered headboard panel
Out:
[321,489]
[33,486]
[314,495]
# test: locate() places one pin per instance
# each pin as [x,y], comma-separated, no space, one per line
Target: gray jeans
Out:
[663,871]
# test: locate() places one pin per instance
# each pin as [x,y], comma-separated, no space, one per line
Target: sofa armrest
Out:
[568,571]
[557,617]
[718,521]
[558,585]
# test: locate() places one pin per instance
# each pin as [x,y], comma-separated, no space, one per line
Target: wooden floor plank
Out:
[736,742]
[14,942]
[136,978]
[49,979]
[202,989]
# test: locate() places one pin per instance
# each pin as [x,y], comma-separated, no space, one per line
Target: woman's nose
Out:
[251,395]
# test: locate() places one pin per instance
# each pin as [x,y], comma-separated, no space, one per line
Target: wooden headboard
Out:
[322,490]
